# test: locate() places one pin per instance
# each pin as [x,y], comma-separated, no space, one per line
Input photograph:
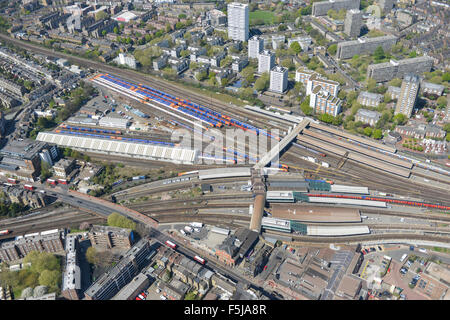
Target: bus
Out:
[5,232]
[11,180]
[199,259]
[171,244]
[29,187]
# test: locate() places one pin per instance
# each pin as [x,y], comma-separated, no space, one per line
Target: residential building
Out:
[321,8]
[277,41]
[217,18]
[432,88]
[367,116]
[348,49]
[106,237]
[408,95]
[63,167]
[45,241]
[278,79]
[71,284]
[127,60]
[11,87]
[255,46]
[386,71]
[421,131]
[353,22]
[394,92]
[370,99]
[323,102]
[123,272]
[266,61]
[239,64]
[238,21]
[386,5]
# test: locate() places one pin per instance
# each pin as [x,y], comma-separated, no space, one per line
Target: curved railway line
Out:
[73,218]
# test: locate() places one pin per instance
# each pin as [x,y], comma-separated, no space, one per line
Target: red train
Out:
[395,201]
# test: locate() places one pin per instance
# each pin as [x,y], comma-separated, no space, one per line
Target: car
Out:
[372,249]
[411,248]
[163,297]
[380,249]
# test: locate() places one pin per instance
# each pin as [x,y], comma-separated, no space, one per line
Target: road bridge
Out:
[268,157]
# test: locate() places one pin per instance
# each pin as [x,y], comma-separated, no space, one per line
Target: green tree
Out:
[368,131]
[396,82]
[92,255]
[441,102]
[400,119]
[307,110]
[50,278]
[379,53]
[295,46]
[262,83]
[45,171]
[413,54]
[446,77]
[249,74]
[102,15]
[117,220]
[332,49]
[116,30]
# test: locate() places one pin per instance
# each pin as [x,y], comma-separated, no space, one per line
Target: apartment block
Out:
[387,71]
[255,46]
[278,79]
[106,237]
[370,99]
[110,283]
[386,5]
[238,21]
[353,23]
[321,8]
[323,102]
[408,95]
[266,61]
[367,116]
[347,49]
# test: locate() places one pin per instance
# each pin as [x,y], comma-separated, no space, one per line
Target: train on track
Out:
[395,201]
[91,135]
[193,110]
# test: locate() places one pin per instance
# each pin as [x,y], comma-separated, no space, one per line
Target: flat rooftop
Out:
[300,212]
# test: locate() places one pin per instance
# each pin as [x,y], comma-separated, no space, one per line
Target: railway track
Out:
[359,238]
[153,81]
[141,190]
[380,181]
[425,216]
[69,219]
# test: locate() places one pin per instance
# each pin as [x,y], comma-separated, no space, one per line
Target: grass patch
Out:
[439,249]
[261,17]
